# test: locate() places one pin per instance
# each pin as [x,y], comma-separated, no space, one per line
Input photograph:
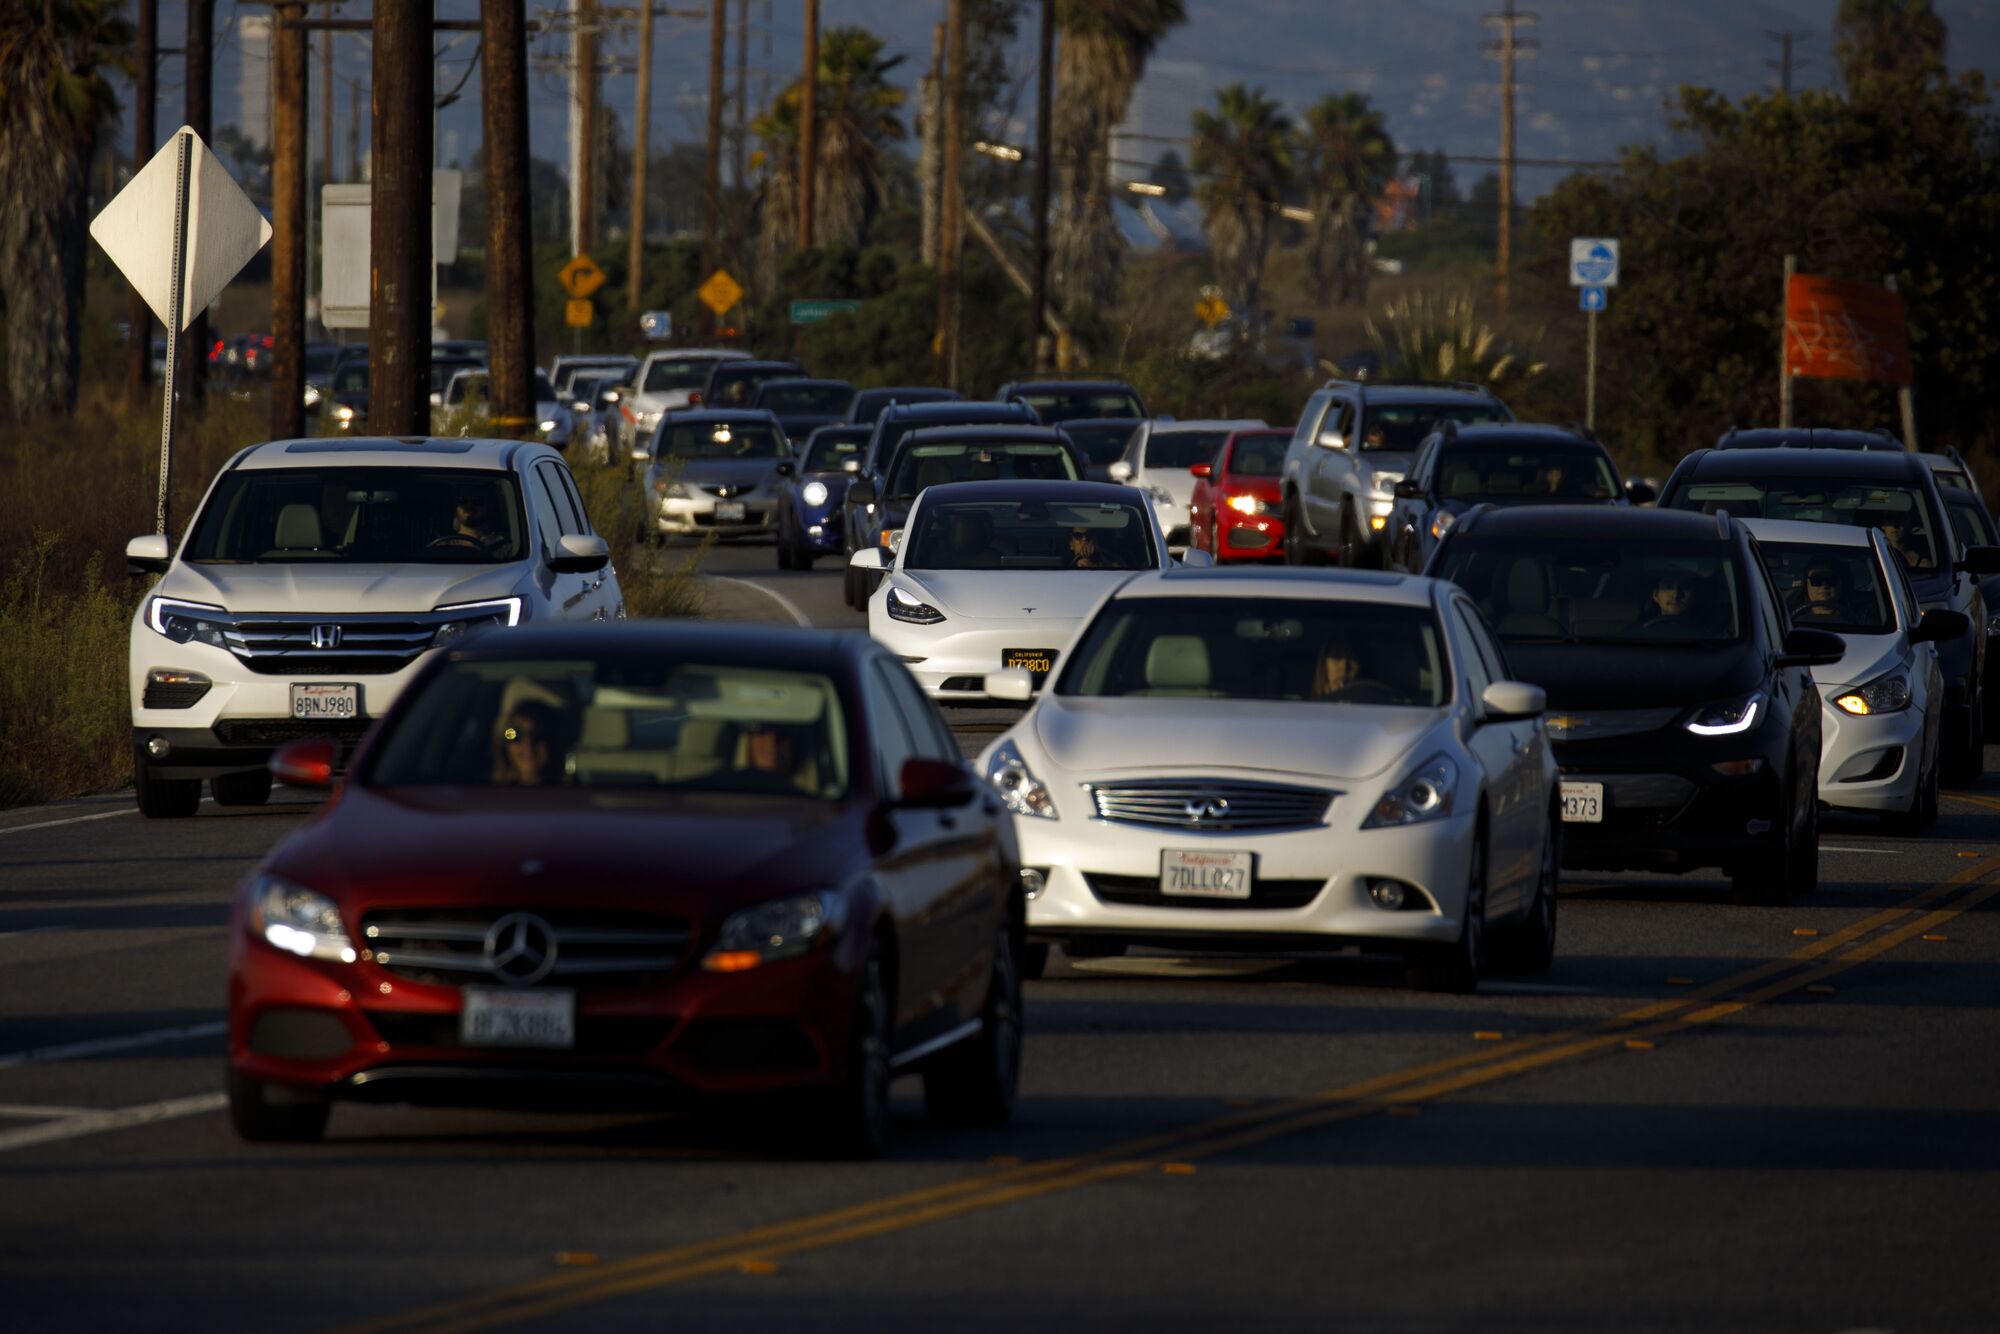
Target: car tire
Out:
[785,560]
[1298,551]
[256,1118]
[1965,756]
[1529,945]
[1094,949]
[244,789]
[163,798]
[854,1119]
[1034,960]
[974,1083]
[1455,968]
[851,588]
[802,558]
[1774,878]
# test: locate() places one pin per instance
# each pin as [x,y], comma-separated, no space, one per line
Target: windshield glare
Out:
[1548,590]
[451,516]
[1401,427]
[720,440]
[1831,588]
[1030,535]
[933,465]
[1898,510]
[1540,472]
[581,724]
[1302,649]
[1177,451]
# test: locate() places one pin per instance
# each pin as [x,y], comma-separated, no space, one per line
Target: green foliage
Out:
[1884,45]
[1442,338]
[1238,384]
[889,339]
[656,583]
[1243,153]
[1446,240]
[1346,158]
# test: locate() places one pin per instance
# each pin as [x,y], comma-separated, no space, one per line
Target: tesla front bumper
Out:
[952,658]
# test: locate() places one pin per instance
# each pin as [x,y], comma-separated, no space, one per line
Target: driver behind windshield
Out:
[1338,673]
[1824,594]
[475,522]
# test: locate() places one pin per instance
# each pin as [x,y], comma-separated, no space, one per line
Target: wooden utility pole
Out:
[740,149]
[139,316]
[809,128]
[325,96]
[642,121]
[354,131]
[930,152]
[198,58]
[1785,344]
[1509,45]
[711,181]
[1038,299]
[951,229]
[584,48]
[399,228]
[288,220]
[510,292]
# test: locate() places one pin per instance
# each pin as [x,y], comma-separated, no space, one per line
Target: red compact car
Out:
[580,866]
[1236,513]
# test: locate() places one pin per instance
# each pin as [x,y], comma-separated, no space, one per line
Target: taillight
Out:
[694,398]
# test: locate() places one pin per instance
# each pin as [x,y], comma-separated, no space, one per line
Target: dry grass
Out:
[656,583]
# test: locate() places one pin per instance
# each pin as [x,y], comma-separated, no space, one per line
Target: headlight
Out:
[903,607]
[1246,504]
[473,615]
[813,493]
[343,413]
[1385,483]
[185,622]
[298,920]
[1441,522]
[1888,693]
[546,425]
[579,406]
[1424,795]
[648,420]
[671,490]
[1020,791]
[780,929]
[312,395]
[1727,718]
[1162,496]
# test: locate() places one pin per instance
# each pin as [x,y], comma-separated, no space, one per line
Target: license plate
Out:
[318,702]
[1201,874]
[499,1017]
[1038,661]
[731,511]
[1583,803]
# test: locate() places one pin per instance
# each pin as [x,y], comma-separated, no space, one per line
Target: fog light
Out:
[158,747]
[1389,895]
[1033,881]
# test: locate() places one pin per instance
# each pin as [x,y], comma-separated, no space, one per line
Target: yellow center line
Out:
[1205,1139]
[1970,799]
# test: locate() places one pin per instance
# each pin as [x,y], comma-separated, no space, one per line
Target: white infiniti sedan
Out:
[998,574]
[1287,760]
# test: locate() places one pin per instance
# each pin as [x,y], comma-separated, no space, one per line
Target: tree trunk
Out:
[1095,76]
[43,175]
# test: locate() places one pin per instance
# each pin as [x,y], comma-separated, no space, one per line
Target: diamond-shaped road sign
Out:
[720,292]
[224,229]
[580,277]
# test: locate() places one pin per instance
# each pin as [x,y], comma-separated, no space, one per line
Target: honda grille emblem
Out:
[1214,808]
[520,948]
[326,636]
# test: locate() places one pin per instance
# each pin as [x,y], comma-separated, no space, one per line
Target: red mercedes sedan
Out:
[1236,512]
[582,865]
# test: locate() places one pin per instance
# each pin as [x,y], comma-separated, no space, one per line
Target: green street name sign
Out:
[816,309]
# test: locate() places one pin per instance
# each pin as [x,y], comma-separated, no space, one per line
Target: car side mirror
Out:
[1331,440]
[1512,701]
[1012,684]
[1192,559]
[148,555]
[1408,490]
[862,492]
[850,465]
[307,762]
[1980,560]
[1121,471]
[787,468]
[1807,647]
[1202,470]
[1639,491]
[576,554]
[869,558]
[1934,627]
[936,783]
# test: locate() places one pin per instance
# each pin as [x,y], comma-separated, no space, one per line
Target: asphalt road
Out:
[1706,1117]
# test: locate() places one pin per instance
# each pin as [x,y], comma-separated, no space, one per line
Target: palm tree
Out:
[1887,41]
[54,97]
[855,107]
[1347,159]
[1104,48]
[1243,152]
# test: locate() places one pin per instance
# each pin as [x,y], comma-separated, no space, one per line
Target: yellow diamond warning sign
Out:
[580,277]
[720,292]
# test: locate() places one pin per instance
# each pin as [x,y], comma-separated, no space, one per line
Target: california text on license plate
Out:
[506,1017]
[1037,661]
[1199,873]
[326,701]
[731,511]
[1583,803]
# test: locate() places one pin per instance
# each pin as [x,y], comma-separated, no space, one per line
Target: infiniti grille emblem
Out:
[326,636]
[520,948]
[1213,808]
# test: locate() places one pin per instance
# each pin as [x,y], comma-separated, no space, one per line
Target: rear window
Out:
[1177,451]
[925,465]
[1551,590]
[1259,455]
[677,373]
[1898,509]
[1054,405]
[1540,472]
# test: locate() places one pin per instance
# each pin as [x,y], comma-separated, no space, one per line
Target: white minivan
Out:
[314,580]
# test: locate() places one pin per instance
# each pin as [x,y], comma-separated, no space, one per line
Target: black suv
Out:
[1681,708]
[898,420]
[1808,437]
[1072,400]
[1892,491]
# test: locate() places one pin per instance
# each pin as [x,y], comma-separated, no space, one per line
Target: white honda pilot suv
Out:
[314,580]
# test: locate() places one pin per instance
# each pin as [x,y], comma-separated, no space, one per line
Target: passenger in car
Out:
[528,750]
[1823,595]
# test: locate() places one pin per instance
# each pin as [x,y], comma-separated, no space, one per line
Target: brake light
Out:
[694,398]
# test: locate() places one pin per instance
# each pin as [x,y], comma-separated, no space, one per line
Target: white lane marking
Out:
[74,819]
[37,1112]
[1839,847]
[31,931]
[1537,989]
[71,1051]
[791,608]
[94,1123]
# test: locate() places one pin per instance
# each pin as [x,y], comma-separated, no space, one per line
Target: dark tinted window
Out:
[733,388]
[1544,472]
[1260,455]
[451,516]
[1403,426]
[1969,519]
[820,400]
[1549,589]
[1177,451]
[677,373]
[1054,405]
[1102,444]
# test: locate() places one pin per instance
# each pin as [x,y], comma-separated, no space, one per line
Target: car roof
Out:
[1158,427]
[792,380]
[1393,392]
[698,416]
[938,392]
[752,364]
[1868,465]
[1131,423]
[381,451]
[1008,488]
[1808,437]
[1029,386]
[1944,463]
[1632,523]
[1490,433]
[973,432]
[859,430]
[1809,534]
[946,407]
[778,647]
[1375,586]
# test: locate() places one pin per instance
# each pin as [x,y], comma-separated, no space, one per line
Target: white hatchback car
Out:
[1157,459]
[1880,705]
[1287,761]
[314,580]
[997,574]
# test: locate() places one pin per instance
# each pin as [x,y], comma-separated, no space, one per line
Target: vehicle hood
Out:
[1646,676]
[1867,657]
[315,589]
[1276,740]
[728,472]
[1176,482]
[659,400]
[1015,594]
[452,846]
